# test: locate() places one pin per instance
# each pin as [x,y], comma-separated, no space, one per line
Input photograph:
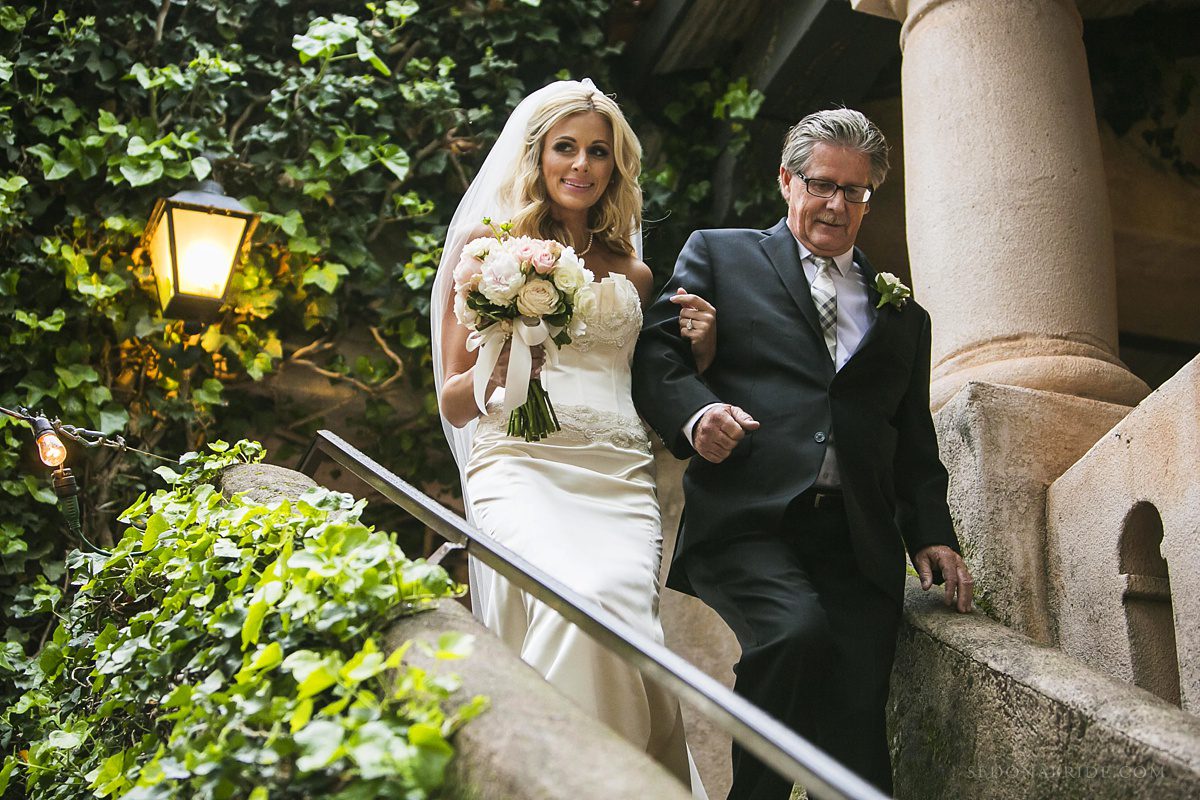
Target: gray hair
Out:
[842,127]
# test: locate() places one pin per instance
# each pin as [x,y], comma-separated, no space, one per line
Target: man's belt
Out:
[820,500]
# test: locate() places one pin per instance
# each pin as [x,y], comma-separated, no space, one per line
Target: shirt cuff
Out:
[691,423]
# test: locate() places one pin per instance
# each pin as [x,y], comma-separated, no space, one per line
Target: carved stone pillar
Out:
[1009,231]
[1011,246]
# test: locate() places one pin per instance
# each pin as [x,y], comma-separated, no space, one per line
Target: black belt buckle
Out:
[826,501]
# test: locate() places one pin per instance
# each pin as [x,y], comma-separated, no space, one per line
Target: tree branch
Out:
[383,345]
[256,102]
[336,376]
[300,423]
[383,218]
[318,346]
[162,20]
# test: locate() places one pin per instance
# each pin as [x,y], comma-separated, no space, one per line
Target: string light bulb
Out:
[50,448]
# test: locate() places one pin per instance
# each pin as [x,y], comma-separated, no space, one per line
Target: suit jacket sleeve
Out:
[667,390]
[921,480]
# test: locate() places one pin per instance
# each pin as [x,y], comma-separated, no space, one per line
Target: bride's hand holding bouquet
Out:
[527,291]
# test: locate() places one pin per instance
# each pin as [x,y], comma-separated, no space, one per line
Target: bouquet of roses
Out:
[527,290]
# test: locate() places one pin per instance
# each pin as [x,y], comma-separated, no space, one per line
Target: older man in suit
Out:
[818,464]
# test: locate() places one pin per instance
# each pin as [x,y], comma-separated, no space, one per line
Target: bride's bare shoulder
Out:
[641,277]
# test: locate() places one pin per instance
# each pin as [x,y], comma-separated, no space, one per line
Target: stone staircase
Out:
[978,709]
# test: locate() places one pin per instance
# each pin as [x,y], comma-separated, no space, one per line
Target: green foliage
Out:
[351,127]
[707,119]
[227,644]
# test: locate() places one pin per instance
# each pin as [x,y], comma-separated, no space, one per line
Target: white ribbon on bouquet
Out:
[527,332]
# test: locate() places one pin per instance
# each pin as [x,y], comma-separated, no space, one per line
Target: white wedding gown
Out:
[581,505]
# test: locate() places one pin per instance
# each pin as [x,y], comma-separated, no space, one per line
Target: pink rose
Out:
[523,249]
[545,258]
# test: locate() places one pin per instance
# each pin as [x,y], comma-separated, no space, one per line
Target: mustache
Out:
[829,219]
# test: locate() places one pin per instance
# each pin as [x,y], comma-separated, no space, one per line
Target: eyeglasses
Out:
[819,188]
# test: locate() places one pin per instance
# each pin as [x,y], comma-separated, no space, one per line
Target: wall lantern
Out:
[195,239]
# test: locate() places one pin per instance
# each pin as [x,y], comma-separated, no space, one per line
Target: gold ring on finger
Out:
[690,324]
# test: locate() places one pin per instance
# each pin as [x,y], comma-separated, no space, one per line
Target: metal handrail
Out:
[769,740]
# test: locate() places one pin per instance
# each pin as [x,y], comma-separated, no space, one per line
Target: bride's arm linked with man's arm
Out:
[682,326]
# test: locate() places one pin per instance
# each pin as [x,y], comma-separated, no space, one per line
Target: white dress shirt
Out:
[855,316]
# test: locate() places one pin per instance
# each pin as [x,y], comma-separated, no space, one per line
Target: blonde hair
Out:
[617,215]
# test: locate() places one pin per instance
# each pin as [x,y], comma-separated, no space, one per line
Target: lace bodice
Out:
[617,317]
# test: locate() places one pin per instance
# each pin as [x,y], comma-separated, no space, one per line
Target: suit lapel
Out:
[781,249]
[869,275]
[883,316]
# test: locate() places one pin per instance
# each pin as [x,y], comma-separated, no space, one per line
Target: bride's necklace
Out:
[584,251]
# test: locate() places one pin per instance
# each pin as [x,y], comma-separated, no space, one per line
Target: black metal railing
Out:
[779,747]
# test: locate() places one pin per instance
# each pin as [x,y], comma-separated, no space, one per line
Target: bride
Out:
[579,504]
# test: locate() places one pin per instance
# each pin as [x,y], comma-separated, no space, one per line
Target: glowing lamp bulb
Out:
[51,450]
[50,447]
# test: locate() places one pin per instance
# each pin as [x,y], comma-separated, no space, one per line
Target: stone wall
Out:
[532,743]
[1124,547]
[1003,446]
[978,711]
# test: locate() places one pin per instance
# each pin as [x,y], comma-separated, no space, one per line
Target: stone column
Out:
[1009,231]
[1011,246]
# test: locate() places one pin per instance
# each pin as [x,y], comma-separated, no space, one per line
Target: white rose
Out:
[479,248]
[577,328]
[568,258]
[569,276]
[584,302]
[584,306]
[466,315]
[538,298]
[502,277]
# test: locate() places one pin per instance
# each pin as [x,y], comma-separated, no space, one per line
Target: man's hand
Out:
[719,431]
[697,324]
[954,570]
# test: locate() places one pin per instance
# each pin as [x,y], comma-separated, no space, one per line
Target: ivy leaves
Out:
[225,642]
[325,38]
[352,127]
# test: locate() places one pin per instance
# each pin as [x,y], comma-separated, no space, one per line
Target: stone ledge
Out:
[532,743]
[1003,446]
[978,710]
[264,482]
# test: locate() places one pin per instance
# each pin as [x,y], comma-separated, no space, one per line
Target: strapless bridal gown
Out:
[581,505]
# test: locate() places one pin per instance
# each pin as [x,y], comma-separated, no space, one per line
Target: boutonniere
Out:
[891,290]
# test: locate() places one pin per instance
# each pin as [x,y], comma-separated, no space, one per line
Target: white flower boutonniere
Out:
[891,290]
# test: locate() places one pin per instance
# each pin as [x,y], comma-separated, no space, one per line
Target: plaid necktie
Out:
[824,297]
